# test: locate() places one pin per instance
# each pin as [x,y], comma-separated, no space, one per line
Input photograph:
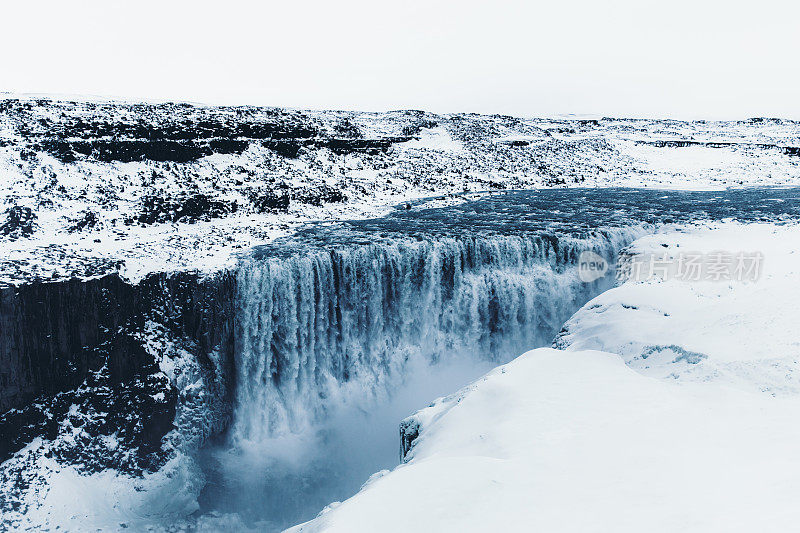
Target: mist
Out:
[277,482]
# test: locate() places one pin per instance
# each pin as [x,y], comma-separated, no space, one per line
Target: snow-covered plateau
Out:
[95,187]
[217,318]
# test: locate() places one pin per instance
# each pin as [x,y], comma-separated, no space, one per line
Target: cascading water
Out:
[335,345]
[308,323]
[293,370]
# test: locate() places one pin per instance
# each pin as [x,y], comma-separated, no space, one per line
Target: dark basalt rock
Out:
[270,201]
[156,209]
[410,429]
[322,194]
[120,425]
[159,122]
[286,148]
[166,133]
[76,352]
[340,146]
[127,151]
[86,220]
[178,133]
[20,222]
[184,151]
[345,128]
[50,333]
[684,143]
[367,146]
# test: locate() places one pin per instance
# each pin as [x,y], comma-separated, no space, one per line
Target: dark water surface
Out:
[564,211]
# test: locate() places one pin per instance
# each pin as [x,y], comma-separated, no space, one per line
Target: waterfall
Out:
[310,323]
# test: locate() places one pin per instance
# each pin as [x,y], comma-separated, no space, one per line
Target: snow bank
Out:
[576,441]
[106,500]
[742,333]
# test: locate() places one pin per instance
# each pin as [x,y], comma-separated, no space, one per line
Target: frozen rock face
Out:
[102,375]
[54,335]
[92,188]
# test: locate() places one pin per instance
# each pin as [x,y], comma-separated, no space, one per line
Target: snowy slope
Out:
[576,441]
[95,187]
[741,333]
[697,432]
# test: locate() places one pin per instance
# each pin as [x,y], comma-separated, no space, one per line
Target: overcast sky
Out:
[685,59]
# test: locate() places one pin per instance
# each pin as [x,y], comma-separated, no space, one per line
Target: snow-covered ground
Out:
[686,421]
[741,333]
[63,498]
[136,188]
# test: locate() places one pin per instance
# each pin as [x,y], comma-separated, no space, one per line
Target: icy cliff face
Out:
[103,378]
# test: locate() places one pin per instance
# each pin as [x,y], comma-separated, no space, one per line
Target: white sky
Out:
[625,58]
